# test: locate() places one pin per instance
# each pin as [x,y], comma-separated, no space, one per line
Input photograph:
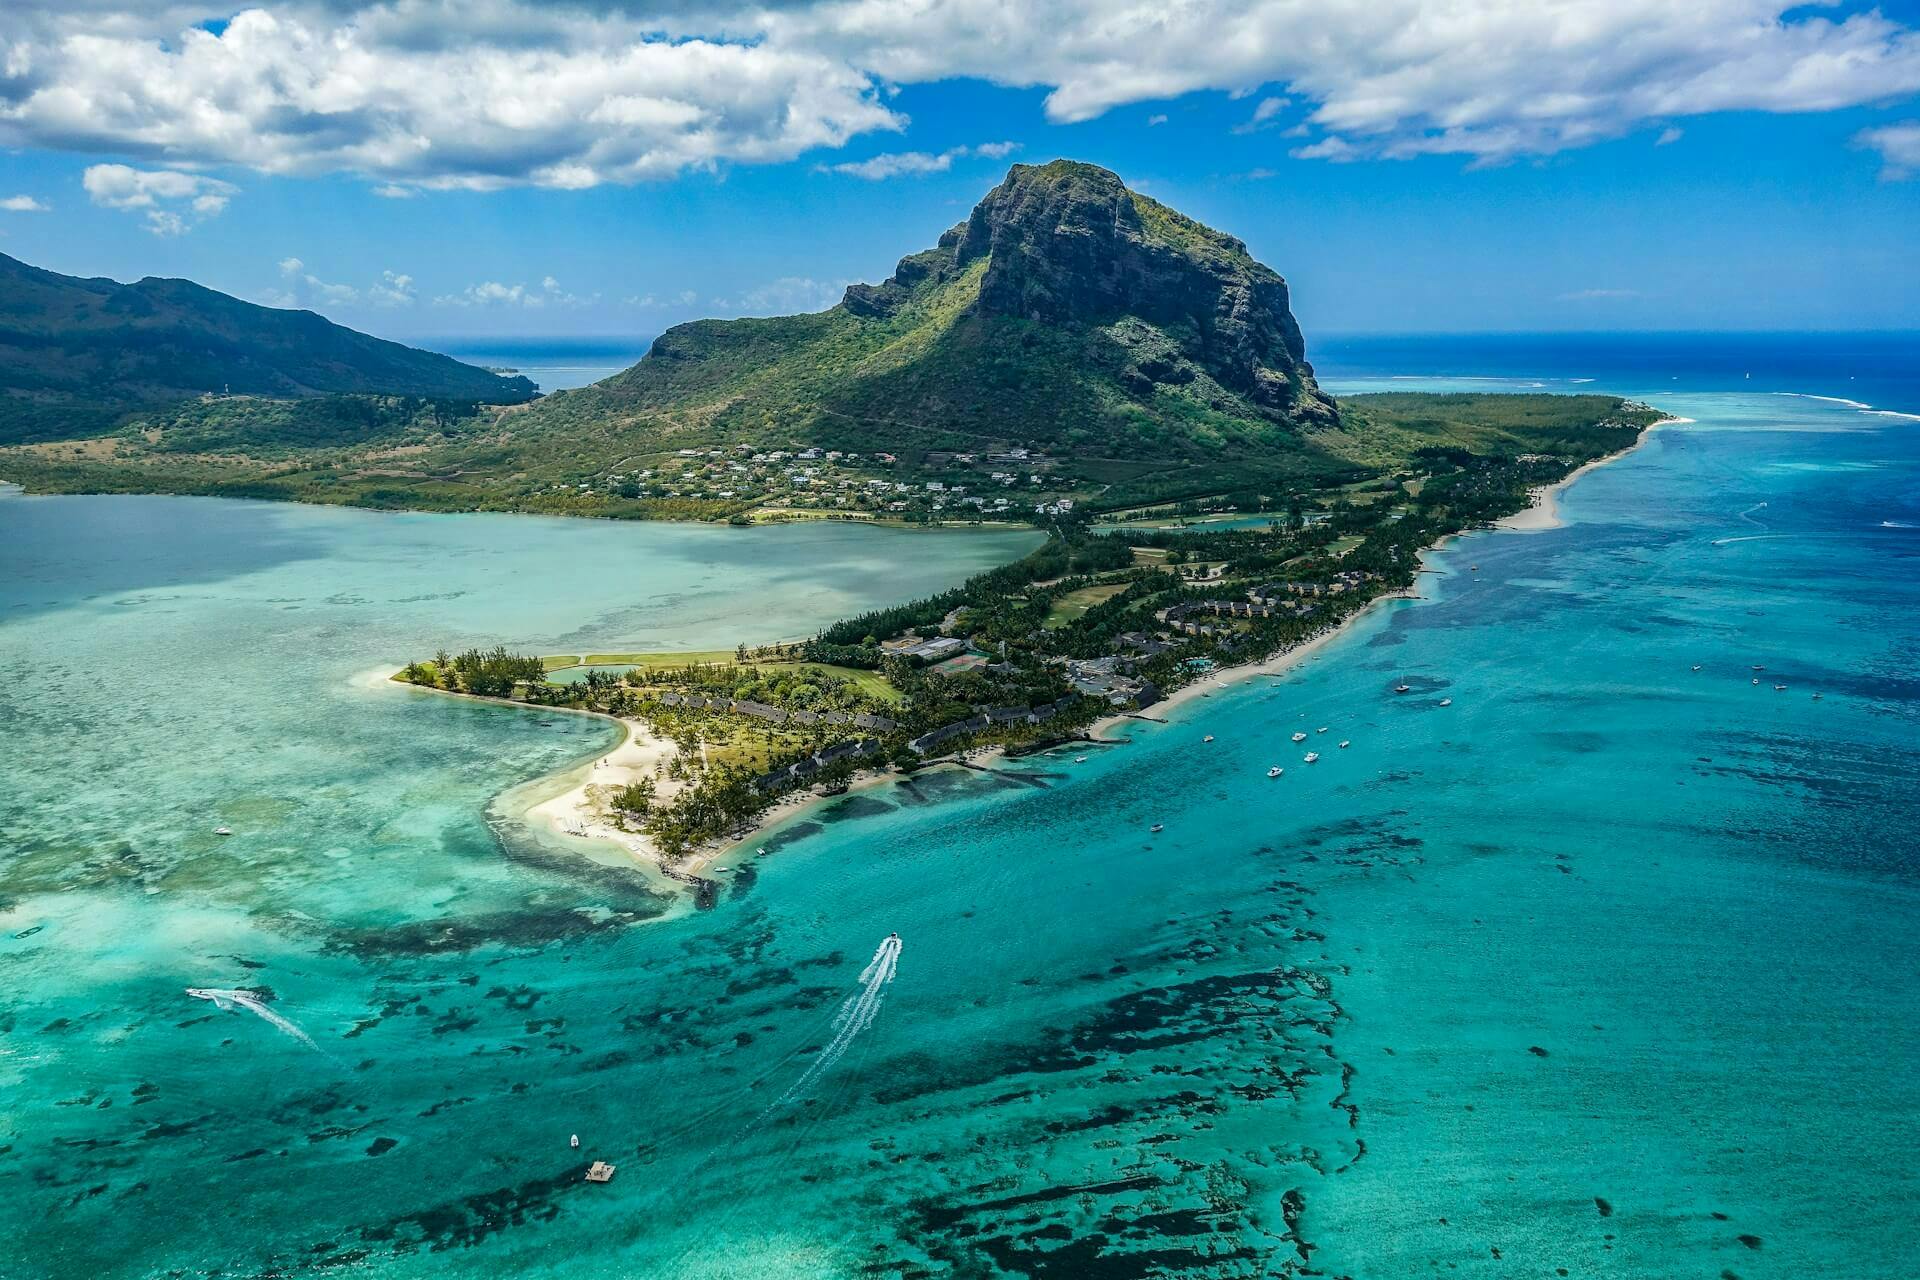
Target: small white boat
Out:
[1158,826]
[1696,666]
[1079,759]
[223,831]
[1208,738]
[1402,688]
[1312,756]
[1816,697]
[1344,744]
[1758,667]
[1446,702]
[1300,737]
[1275,772]
[1473,568]
[1321,729]
[574,1142]
[1779,688]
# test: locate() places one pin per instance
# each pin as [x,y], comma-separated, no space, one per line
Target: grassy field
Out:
[871,683]
[1075,604]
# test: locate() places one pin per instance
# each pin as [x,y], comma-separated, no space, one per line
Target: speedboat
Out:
[1758,667]
[893,937]
[1344,744]
[1158,826]
[1446,702]
[223,831]
[1079,759]
[1402,688]
[1779,688]
[1300,737]
[1321,729]
[1696,666]
[1208,738]
[1816,697]
[1312,756]
[1275,772]
[1473,568]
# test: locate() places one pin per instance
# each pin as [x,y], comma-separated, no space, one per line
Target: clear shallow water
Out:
[1300,1023]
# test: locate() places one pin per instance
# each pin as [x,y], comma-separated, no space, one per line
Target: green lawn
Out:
[1075,604]
[871,683]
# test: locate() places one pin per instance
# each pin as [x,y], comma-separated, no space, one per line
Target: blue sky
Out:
[1752,166]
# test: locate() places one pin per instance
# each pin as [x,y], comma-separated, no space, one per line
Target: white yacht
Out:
[1300,737]
[1344,744]
[223,831]
[1208,738]
[1321,729]
[1275,772]
[1312,756]
[1446,702]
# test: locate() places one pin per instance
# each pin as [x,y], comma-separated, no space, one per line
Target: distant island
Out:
[87,358]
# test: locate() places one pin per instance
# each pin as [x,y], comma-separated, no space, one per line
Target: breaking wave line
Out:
[237,999]
[855,1016]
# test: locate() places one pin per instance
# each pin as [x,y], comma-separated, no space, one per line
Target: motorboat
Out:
[1696,666]
[1208,738]
[223,831]
[1079,759]
[1344,744]
[1446,702]
[1403,688]
[1158,826]
[1321,729]
[1779,688]
[1300,736]
[1312,756]
[1275,772]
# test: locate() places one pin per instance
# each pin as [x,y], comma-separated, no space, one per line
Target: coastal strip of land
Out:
[1095,627]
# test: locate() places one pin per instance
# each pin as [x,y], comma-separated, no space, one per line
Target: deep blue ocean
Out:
[1604,968]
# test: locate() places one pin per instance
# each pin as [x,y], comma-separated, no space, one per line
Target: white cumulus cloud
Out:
[492,293]
[423,94]
[1899,148]
[899,164]
[172,201]
[22,204]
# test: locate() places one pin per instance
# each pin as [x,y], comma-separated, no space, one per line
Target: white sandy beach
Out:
[1545,512]
[583,812]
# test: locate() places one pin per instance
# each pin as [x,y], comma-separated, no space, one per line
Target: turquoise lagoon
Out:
[1605,969]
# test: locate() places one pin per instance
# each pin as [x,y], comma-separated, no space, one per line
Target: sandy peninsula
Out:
[1544,511]
[582,811]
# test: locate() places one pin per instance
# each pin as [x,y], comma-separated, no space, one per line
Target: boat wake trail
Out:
[237,999]
[855,1016]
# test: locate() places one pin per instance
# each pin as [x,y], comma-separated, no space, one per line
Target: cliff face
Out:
[1066,314]
[1067,244]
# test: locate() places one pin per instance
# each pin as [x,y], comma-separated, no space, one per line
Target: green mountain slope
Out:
[76,355]
[1072,347]
[1067,313]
